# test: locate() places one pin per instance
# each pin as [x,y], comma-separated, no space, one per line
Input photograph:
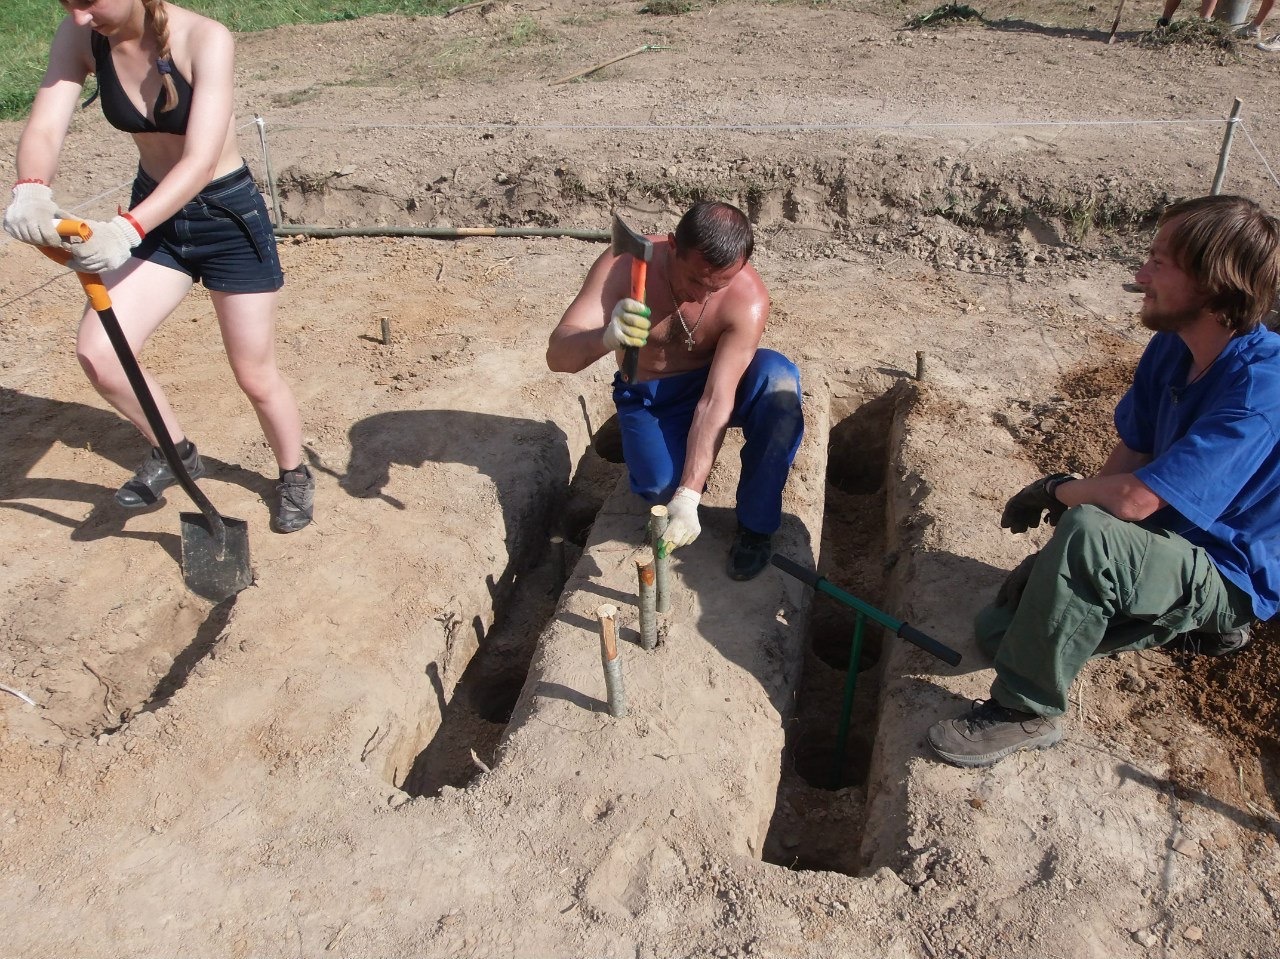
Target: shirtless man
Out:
[700,371]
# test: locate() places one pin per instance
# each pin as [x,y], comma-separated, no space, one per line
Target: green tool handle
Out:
[909,633]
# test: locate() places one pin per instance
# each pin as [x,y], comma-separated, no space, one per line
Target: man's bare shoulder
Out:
[746,297]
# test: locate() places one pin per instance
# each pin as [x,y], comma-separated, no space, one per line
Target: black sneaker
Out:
[297,489]
[1214,644]
[749,553]
[154,477]
[989,732]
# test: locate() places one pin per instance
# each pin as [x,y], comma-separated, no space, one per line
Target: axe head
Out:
[627,240]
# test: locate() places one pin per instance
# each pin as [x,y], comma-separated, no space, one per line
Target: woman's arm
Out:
[54,104]
[212,52]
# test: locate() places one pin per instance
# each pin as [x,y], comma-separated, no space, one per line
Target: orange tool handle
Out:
[94,288]
[631,355]
[639,276]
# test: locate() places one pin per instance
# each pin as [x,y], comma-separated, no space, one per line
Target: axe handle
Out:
[639,277]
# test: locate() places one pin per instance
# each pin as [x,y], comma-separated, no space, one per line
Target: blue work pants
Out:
[655,417]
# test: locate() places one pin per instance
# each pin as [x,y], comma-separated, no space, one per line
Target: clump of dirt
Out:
[1195,36]
[1072,431]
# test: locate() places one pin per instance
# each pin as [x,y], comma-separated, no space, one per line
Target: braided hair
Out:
[157,18]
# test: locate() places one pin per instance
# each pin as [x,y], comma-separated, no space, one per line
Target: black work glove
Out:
[1025,507]
[1010,593]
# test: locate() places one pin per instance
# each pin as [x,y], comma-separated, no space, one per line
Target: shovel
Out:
[627,241]
[215,550]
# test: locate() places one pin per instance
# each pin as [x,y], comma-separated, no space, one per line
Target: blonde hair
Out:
[157,18]
[1231,246]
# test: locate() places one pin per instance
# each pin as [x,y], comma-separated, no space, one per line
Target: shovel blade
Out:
[214,570]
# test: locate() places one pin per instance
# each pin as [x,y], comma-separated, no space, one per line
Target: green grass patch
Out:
[946,14]
[28,25]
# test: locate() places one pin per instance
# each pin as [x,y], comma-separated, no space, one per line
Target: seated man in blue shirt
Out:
[1179,532]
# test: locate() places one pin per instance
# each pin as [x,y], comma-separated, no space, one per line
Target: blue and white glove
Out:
[108,248]
[628,325]
[682,518]
[32,216]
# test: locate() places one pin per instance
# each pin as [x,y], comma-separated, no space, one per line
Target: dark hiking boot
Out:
[297,491]
[989,732]
[154,477]
[1214,644]
[749,553]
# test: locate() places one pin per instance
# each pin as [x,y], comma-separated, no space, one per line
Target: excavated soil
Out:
[396,743]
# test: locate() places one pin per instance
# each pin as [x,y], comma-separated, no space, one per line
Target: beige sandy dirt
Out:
[396,743]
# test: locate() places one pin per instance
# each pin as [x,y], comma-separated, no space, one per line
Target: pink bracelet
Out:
[133,223]
[30,179]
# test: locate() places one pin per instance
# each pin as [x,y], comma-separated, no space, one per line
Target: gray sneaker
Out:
[1270,46]
[297,490]
[989,732]
[1248,32]
[154,477]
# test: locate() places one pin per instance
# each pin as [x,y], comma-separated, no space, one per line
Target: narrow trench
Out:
[818,820]
[475,716]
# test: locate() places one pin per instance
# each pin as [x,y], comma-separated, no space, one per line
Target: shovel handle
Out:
[639,278]
[101,303]
[94,288]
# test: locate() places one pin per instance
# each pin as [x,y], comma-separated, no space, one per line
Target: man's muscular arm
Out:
[1114,488]
[578,339]
[734,352]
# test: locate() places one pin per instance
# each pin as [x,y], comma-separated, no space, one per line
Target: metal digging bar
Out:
[863,609]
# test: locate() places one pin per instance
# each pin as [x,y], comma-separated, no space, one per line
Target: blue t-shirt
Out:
[1215,448]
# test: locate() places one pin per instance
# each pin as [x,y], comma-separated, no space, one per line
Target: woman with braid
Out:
[165,77]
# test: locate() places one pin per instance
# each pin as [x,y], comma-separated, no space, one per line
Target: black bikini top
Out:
[119,109]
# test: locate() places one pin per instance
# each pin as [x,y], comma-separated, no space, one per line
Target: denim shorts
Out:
[221,238]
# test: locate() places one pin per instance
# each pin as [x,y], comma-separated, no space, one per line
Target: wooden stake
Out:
[658,519]
[386,332]
[648,599]
[1225,152]
[616,695]
[1115,24]
[920,365]
[558,558]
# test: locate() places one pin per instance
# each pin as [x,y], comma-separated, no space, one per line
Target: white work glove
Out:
[106,249]
[682,518]
[32,216]
[628,326]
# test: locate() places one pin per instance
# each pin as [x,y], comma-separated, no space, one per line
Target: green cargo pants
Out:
[1101,585]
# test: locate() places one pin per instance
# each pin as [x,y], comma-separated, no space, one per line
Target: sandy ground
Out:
[395,743]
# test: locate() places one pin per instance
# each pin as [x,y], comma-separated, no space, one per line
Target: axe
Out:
[640,249]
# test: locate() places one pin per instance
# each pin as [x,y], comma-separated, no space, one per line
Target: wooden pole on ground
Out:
[658,519]
[648,599]
[607,615]
[601,66]
[465,6]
